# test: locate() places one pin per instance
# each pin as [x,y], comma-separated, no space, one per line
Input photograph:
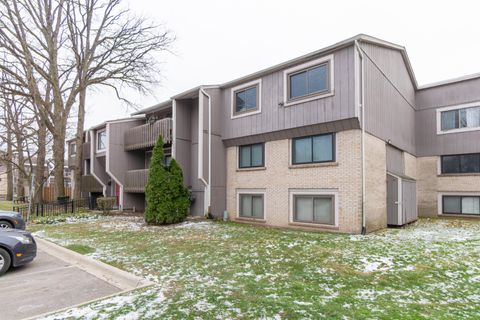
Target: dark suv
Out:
[17,247]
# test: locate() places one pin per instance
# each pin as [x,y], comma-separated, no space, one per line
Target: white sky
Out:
[219,41]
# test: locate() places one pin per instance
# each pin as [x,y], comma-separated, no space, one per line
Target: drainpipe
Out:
[208,185]
[362,106]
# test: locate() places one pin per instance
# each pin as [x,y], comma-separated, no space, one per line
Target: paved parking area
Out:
[48,284]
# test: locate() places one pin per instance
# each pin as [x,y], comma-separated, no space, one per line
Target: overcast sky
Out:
[219,41]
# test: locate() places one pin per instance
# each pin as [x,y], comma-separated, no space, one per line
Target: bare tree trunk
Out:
[21,177]
[79,142]
[40,165]
[9,166]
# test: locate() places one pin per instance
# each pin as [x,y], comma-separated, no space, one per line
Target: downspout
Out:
[362,114]
[208,185]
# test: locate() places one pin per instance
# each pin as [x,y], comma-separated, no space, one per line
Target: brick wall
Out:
[430,184]
[278,178]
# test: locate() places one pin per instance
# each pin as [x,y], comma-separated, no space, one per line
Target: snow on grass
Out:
[207,270]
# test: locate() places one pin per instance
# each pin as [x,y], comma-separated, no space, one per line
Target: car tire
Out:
[5,224]
[5,261]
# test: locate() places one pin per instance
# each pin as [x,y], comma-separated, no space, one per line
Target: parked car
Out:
[17,247]
[12,220]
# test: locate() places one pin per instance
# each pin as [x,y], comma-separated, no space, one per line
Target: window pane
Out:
[471,205]
[451,204]
[257,155]
[251,98]
[323,211]
[470,117]
[245,157]
[449,120]
[302,150]
[303,209]
[322,148]
[470,163]
[450,164]
[257,206]
[240,101]
[101,140]
[298,85]
[246,205]
[317,79]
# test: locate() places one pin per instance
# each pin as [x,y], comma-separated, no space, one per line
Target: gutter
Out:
[208,195]
[362,106]
[92,162]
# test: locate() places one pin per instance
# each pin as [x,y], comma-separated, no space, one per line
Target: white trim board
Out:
[253,83]
[241,191]
[455,107]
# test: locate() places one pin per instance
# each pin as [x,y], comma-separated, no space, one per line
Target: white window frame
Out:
[313,192]
[258,84]
[96,140]
[262,192]
[85,165]
[464,194]
[331,70]
[74,144]
[455,107]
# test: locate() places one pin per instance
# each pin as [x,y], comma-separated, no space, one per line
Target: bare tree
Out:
[69,46]
[112,48]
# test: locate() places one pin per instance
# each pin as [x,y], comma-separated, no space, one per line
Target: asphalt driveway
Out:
[48,284]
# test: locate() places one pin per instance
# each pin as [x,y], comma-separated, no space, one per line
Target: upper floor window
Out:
[251,156]
[459,118]
[101,140]
[313,149]
[73,148]
[463,163]
[246,99]
[308,81]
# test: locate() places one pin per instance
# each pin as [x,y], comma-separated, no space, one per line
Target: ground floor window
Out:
[314,209]
[251,206]
[461,205]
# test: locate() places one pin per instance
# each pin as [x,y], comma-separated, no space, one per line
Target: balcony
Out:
[136,180]
[145,136]
[90,184]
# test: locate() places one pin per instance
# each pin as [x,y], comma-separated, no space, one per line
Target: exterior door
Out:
[392,200]
[409,201]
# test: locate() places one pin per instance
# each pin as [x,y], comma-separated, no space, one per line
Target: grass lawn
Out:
[6,205]
[214,270]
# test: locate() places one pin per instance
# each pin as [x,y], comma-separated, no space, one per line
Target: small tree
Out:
[166,196]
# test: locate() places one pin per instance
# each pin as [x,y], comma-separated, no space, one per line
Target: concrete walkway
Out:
[57,279]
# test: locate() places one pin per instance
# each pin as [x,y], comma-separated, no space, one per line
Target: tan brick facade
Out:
[376,187]
[431,184]
[279,179]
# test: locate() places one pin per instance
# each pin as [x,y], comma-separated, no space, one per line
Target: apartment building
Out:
[342,139]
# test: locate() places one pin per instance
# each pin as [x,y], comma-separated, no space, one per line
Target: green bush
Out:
[166,196]
[106,203]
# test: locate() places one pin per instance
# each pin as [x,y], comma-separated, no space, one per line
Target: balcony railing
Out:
[145,136]
[90,184]
[136,180]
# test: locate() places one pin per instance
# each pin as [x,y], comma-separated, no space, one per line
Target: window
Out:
[73,148]
[460,119]
[314,149]
[251,156]
[461,205]
[86,170]
[307,82]
[246,100]
[251,206]
[464,163]
[314,209]
[101,140]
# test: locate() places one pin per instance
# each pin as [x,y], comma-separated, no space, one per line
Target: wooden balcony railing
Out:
[136,180]
[146,135]
[90,184]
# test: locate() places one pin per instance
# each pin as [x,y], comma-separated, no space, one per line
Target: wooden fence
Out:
[49,193]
